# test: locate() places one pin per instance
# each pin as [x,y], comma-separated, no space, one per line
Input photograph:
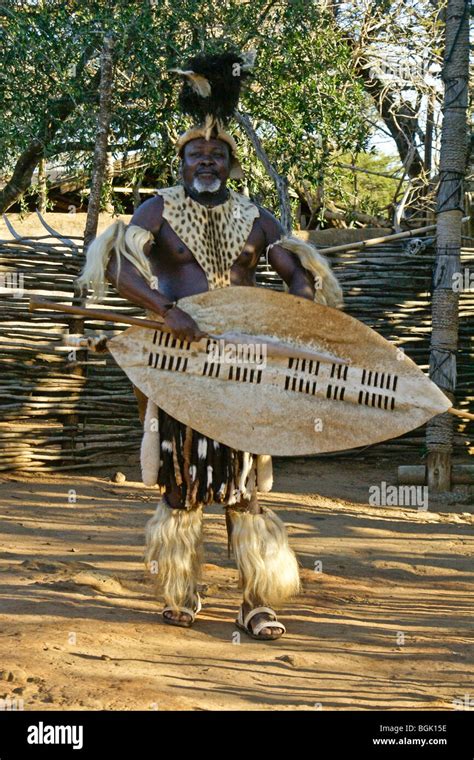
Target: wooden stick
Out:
[55,234]
[385,239]
[416,474]
[460,413]
[106,316]
[273,348]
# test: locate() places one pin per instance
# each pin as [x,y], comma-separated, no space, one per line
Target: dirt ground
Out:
[65,224]
[383,623]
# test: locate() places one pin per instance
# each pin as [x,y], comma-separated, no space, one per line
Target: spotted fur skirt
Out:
[178,458]
[202,468]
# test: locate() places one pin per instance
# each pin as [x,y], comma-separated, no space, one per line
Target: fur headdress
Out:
[210,95]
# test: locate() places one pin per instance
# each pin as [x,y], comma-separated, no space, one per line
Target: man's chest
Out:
[171,253]
[215,238]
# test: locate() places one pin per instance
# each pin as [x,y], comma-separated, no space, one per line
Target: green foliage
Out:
[304,97]
[368,193]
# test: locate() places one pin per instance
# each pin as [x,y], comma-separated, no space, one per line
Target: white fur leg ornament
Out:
[150,448]
[267,565]
[174,552]
[264,473]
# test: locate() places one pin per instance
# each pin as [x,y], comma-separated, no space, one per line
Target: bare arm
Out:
[131,285]
[134,288]
[129,282]
[300,282]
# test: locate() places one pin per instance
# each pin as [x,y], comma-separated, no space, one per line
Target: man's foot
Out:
[177,617]
[253,624]
[184,616]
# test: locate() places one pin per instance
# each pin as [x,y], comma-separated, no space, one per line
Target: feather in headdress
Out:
[212,85]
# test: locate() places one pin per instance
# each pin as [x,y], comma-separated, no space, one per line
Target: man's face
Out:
[206,165]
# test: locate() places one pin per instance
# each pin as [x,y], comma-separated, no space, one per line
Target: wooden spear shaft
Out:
[273,348]
[105,316]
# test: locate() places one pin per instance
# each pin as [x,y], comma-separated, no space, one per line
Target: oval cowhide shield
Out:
[280,405]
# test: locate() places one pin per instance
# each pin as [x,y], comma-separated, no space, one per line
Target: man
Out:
[199,236]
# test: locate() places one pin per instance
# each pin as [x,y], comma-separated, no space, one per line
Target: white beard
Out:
[206,187]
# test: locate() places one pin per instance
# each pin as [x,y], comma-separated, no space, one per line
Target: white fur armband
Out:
[327,288]
[128,242]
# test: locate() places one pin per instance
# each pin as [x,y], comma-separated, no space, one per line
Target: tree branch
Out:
[281,183]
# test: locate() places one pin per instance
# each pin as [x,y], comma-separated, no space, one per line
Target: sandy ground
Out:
[65,224]
[385,625]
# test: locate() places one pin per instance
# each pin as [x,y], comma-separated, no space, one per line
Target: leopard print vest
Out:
[214,235]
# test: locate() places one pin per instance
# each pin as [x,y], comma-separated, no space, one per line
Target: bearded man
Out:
[190,238]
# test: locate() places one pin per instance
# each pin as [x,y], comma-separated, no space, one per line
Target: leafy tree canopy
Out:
[304,99]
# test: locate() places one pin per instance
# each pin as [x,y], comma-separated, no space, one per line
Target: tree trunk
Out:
[444,335]
[76,325]
[101,143]
[469,195]
[400,118]
[428,159]
[137,183]
[22,174]
[42,187]
[429,133]
[107,193]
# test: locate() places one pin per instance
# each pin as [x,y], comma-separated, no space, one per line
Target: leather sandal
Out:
[243,624]
[187,610]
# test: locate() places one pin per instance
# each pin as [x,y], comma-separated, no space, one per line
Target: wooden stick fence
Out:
[387,287]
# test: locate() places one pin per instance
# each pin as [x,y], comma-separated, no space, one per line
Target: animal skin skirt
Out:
[203,470]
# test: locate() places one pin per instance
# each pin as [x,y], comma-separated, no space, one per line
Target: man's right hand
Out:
[182,325]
